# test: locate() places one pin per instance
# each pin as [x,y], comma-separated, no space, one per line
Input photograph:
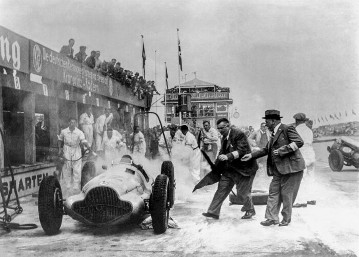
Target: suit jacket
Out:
[289,160]
[237,146]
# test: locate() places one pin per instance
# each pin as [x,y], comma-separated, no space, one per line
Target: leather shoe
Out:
[312,202]
[249,214]
[284,223]
[298,205]
[210,215]
[269,222]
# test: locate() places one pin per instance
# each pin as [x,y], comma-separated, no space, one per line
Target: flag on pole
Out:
[143,58]
[179,52]
[166,76]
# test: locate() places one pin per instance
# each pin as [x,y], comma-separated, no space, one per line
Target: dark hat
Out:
[137,73]
[184,127]
[82,47]
[300,117]
[172,127]
[272,114]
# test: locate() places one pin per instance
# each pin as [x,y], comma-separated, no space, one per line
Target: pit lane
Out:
[329,228]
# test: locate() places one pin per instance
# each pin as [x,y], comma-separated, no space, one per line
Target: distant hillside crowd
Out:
[342,129]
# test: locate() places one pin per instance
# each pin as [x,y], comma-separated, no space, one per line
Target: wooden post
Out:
[1,122]
[29,128]
[53,120]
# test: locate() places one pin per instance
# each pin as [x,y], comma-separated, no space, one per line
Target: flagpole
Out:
[165,94]
[179,76]
[155,75]
[143,64]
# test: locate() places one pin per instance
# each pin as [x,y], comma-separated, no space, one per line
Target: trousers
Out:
[225,185]
[283,189]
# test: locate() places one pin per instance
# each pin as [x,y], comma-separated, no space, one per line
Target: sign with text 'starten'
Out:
[52,65]
[14,50]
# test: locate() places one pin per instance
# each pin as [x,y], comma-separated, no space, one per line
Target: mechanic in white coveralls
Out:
[112,144]
[71,138]
[190,143]
[170,138]
[86,123]
[139,143]
[307,151]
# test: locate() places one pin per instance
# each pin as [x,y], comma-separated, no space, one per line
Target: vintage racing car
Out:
[344,151]
[123,193]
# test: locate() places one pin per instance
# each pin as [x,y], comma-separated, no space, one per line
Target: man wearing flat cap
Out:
[285,163]
[309,158]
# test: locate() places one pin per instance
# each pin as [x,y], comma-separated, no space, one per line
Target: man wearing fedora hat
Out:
[285,163]
[309,157]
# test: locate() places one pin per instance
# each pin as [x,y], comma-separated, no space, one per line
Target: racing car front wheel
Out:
[158,204]
[50,205]
[336,160]
[168,170]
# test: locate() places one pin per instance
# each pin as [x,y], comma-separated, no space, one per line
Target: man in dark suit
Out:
[234,171]
[285,163]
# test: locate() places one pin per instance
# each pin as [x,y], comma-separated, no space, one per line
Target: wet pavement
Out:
[329,228]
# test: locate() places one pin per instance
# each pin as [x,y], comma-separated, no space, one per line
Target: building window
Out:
[206,109]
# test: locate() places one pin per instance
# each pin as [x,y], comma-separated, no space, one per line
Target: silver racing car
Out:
[123,193]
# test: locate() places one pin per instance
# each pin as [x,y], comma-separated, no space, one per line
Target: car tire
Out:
[259,197]
[159,208]
[88,172]
[50,205]
[336,160]
[168,170]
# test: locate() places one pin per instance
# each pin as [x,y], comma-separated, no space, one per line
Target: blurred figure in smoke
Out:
[71,138]
[234,171]
[260,139]
[308,154]
[208,144]
[190,143]
[102,122]
[139,143]
[112,144]
[86,124]
[170,138]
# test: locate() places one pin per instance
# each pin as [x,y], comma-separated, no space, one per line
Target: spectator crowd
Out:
[138,84]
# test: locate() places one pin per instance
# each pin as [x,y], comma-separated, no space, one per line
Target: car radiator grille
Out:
[102,205]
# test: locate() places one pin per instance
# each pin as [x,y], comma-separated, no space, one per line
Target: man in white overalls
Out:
[71,138]
[86,125]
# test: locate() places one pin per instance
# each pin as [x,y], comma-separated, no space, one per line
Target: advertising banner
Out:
[50,64]
[25,183]
[14,50]
[203,95]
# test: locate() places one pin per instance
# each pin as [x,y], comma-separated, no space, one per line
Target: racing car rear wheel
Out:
[159,208]
[336,160]
[50,205]
[88,172]
[168,170]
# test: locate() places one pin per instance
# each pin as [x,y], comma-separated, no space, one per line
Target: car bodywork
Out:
[124,192]
[115,196]
[344,151]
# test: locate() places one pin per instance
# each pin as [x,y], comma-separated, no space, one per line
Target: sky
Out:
[290,55]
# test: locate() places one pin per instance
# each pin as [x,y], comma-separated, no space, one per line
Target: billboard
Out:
[14,50]
[52,65]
